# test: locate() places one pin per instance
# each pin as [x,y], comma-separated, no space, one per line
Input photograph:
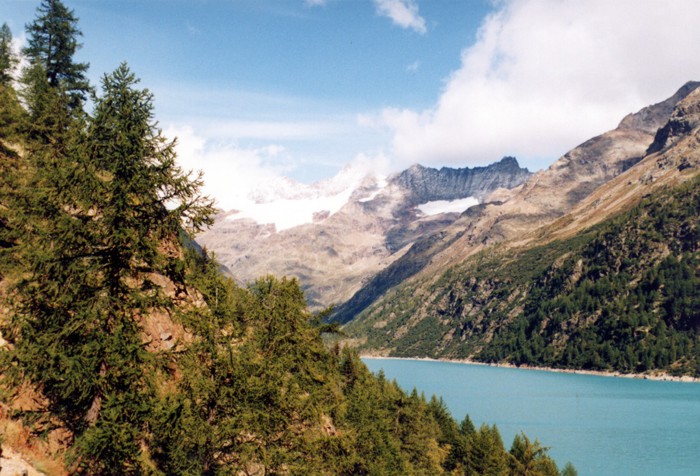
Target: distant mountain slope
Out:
[543,198]
[612,285]
[342,249]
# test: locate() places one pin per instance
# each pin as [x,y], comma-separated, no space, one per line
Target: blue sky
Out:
[255,89]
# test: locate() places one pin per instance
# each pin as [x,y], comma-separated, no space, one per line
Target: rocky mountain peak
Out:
[425,184]
[651,118]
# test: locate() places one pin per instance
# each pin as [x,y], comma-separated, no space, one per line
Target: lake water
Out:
[603,425]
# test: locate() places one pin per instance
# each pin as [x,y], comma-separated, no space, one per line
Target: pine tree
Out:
[8,59]
[466,427]
[104,207]
[450,435]
[530,458]
[10,109]
[568,470]
[11,116]
[52,43]
[12,119]
[487,455]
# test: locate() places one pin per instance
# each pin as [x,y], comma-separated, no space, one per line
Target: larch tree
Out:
[12,121]
[487,455]
[10,109]
[52,43]
[530,458]
[106,206]
[8,58]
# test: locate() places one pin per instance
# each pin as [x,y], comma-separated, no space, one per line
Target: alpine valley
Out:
[590,264]
[125,350]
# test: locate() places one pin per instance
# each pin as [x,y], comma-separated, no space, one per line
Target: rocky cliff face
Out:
[651,118]
[379,238]
[685,118]
[425,184]
[551,193]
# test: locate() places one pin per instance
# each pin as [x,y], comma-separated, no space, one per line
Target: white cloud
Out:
[19,42]
[403,13]
[231,172]
[287,204]
[253,180]
[376,164]
[315,3]
[545,75]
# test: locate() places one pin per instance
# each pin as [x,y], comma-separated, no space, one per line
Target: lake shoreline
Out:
[663,377]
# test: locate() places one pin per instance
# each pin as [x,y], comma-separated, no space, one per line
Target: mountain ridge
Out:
[462,310]
[543,198]
[429,184]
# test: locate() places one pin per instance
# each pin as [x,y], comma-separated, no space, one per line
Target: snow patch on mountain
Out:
[447,206]
[286,203]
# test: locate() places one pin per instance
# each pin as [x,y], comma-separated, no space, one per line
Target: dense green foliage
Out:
[620,296]
[259,390]
[94,218]
[278,399]
[13,120]
[95,225]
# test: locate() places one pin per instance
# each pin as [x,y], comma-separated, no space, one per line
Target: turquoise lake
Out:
[603,425]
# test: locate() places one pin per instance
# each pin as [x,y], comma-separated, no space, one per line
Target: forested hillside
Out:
[123,349]
[618,296]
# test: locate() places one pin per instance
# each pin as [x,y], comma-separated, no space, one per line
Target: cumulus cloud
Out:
[252,180]
[403,13]
[545,75]
[231,172]
[17,44]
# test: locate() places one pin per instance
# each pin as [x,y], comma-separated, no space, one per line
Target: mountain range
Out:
[590,264]
[409,283]
[339,247]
